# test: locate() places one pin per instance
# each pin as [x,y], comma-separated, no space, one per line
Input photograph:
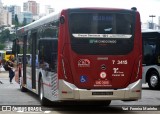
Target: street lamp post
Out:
[152,16]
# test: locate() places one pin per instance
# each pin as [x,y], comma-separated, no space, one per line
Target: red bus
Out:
[83,54]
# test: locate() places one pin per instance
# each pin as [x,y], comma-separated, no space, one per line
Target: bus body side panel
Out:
[62,41]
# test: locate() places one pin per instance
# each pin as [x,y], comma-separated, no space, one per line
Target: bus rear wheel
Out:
[42,99]
[154,80]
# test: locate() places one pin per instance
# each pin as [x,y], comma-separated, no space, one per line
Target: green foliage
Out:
[15,21]
[2,46]
[5,33]
[24,22]
[6,36]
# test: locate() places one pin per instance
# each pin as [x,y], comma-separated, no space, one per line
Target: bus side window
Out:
[48,54]
[147,53]
[54,61]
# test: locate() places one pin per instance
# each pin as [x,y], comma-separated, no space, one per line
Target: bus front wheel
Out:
[154,80]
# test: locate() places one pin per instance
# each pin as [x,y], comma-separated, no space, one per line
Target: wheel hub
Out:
[154,81]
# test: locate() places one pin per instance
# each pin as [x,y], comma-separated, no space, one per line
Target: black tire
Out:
[23,89]
[103,103]
[107,103]
[43,100]
[154,80]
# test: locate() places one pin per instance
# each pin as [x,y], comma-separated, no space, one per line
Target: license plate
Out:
[102,93]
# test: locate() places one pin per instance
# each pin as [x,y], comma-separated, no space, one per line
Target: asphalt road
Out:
[10,95]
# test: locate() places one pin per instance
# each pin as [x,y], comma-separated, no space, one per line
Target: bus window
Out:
[149,53]
[48,54]
[105,32]
[50,30]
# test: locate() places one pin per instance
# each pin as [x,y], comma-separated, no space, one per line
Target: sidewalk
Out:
[4,80]
[4,74]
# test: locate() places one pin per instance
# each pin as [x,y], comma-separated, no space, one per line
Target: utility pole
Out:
[152,16]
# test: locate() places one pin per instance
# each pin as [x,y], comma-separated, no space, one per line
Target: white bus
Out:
[151,58]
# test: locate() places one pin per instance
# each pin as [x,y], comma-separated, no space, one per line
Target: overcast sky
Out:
[145,7]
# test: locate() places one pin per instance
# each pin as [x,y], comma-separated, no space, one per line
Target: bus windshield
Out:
[101,33]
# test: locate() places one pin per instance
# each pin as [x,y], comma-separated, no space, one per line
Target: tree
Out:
[6,36]
[24,21]
[2,46]
[12,36]
[16,20]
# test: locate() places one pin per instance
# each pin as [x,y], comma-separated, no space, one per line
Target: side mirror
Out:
[62,19]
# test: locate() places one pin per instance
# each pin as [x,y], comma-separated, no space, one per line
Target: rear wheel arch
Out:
[42,99]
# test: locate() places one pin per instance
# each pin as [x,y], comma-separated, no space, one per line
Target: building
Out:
[5,16]
[11,28]
[1,10]
[31,6]
[1,7]
[14,10]
[150,25]
[48,9]
[25,17]
[36,17]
